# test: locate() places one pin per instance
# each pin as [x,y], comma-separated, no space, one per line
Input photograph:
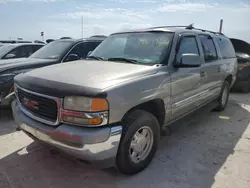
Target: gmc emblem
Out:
[30,104]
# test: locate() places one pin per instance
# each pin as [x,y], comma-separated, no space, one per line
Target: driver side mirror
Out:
[188,61]
[89,53]
[72,57]
[10,56]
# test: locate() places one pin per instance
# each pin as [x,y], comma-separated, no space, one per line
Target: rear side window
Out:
[208,47]
[226,48]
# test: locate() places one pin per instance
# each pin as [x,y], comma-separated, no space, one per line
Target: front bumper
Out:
[94,145]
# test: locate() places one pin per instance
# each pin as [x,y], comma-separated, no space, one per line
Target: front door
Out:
[185,82]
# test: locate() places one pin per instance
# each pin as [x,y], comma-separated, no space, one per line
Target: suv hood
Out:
[23,63]
[84,77]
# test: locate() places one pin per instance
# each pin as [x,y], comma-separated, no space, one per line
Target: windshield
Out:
[143,48]
[53,50]
[5,49]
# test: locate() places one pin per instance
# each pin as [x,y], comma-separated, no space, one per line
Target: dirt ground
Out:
[208,149]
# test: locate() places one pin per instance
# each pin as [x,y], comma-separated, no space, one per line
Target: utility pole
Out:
[221,25]
[82,26]
[42,35]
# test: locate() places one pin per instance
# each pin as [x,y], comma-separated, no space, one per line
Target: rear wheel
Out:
[141,133]
[223,98]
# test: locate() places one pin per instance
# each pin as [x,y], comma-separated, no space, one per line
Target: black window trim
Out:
[212,38]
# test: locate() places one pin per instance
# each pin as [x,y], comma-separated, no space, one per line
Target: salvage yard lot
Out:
[208,149]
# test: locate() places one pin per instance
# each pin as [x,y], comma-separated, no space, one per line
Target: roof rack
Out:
[191,27]
[102,36]
[203,30]
[168,26]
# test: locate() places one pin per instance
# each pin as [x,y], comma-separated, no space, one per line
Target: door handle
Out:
[202,74]
[218,69]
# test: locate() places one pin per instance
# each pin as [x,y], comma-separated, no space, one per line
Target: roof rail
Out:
[203,30]
[168,26]
[103,36]
[191,27]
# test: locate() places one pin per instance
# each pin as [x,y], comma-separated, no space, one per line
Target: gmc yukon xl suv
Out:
[110,109]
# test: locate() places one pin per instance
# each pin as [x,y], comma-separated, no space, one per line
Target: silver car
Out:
[111,108]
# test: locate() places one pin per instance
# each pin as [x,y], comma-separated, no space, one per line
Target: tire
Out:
[222,103]
[136,121]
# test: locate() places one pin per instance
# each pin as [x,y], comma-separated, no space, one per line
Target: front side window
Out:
[25,51]
[188,45]
[82,49]
[53,50]
[5,49]
[208,48]
[16,53]
[36,47]
[143,47]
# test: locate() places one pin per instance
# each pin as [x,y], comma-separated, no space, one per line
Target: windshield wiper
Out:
[94,57]
[123,59]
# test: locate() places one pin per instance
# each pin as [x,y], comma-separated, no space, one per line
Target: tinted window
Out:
[208,47]
[5,49]
[144,47]
[226,48]
[90,46]
[16,52]
[25,51]
[53,50]
[36,47]
[187,45]
[82,49]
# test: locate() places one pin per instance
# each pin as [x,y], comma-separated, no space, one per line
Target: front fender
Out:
[124,97]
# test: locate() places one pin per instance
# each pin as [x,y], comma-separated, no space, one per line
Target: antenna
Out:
[221,24]
[191,26]
[82,26]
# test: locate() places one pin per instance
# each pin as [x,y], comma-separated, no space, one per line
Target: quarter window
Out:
[226,48]
[188,45]
[208,47]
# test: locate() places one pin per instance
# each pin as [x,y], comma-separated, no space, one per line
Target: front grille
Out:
[42,107]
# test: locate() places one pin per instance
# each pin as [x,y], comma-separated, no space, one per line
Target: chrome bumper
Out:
[95,145]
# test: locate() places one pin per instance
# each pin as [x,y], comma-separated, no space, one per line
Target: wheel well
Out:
[229,79]
[155,107]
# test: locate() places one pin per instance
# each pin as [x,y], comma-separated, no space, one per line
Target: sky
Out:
[60,18]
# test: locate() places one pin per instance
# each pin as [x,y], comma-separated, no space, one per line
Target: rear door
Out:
[211,68]
[185,82]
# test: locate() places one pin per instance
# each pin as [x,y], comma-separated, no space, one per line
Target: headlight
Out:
[85,111]
[6,77]
[85,104]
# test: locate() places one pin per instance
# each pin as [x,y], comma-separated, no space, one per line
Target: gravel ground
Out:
[207,149]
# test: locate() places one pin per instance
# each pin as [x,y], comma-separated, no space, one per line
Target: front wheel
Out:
[223,98]
[140,138]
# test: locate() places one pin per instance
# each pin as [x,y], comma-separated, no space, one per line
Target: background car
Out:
[58,51]
[242,49]
[18,50]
